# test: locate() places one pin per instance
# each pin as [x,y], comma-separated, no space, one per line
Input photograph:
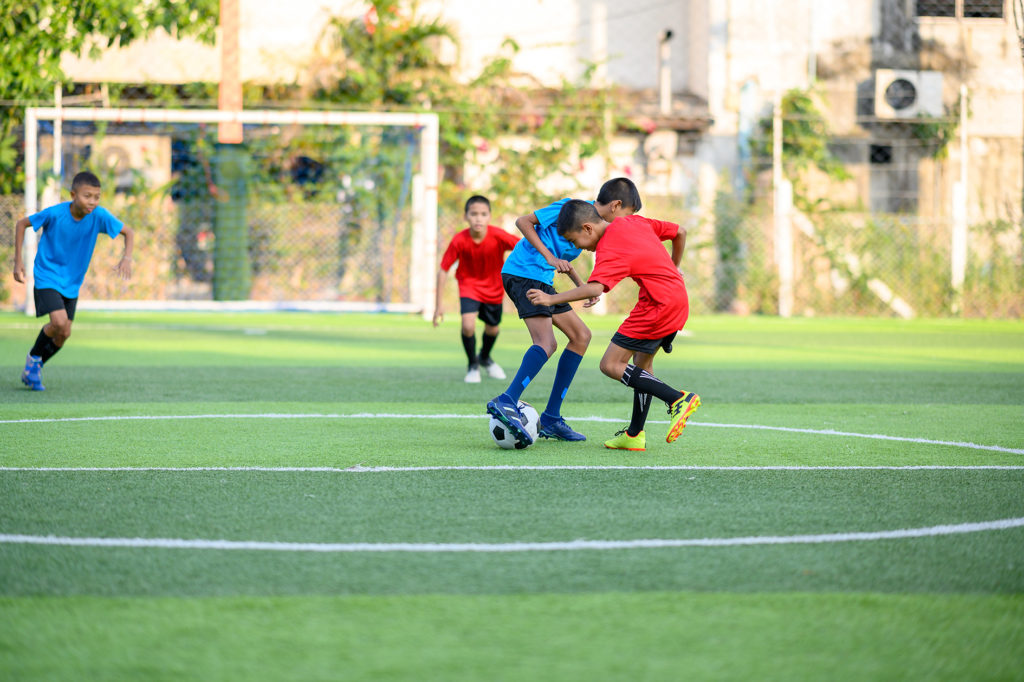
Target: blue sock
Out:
[568,363]
[533,360]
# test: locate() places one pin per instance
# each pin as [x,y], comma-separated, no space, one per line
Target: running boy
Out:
[65,249]
[480,250]
[532,265]
[632,247]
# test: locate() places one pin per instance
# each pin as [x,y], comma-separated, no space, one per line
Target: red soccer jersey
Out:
[479,271]
[632,246]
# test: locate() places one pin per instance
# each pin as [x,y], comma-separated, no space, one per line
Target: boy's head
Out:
[580,224]
[478,213]
[618,197]
[85,192]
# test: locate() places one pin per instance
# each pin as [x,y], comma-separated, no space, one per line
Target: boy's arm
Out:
[19,238]
[442,275]
[124,266]
[527,225]
[588,290]
[574,276]
[678,246]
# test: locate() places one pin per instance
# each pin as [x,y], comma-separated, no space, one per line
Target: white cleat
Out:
[494,370]
[473,375]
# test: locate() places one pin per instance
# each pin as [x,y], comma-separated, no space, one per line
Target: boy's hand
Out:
[124,268]
[19,272]
[591,302]
[538,297]
[438,316]
[560,264]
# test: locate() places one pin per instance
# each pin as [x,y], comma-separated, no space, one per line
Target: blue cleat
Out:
[505,410]
[32,376]
[558,430]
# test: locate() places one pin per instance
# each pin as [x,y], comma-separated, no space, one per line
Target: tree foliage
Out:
[390,57]
[35,34]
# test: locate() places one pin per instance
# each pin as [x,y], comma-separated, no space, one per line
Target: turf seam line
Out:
[367,415]
[359,469]
[461,547]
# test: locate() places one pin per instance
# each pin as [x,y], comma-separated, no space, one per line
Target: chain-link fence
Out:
[300,213]
[875,240]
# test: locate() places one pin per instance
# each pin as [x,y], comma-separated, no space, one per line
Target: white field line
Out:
[359,469]
[388,415]
[461,547]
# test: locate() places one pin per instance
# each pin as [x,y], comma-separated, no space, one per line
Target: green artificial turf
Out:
[279,394]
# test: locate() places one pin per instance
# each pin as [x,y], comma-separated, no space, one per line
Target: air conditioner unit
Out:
[905,95]
[125,155]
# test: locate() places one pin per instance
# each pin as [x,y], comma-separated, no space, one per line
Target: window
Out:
[880,154]
[963,9]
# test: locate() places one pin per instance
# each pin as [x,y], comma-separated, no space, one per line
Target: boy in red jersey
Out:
[480,250]
[631,246]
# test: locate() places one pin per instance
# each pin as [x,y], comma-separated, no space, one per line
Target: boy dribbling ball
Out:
[631,246]
[66,244]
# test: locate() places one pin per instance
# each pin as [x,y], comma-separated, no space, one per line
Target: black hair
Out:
[574,213]
[623,190]
[476,199]
[85,178]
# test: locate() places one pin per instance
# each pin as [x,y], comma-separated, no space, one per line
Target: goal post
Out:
[342,204]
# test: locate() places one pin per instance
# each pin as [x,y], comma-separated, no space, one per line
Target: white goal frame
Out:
[423,261]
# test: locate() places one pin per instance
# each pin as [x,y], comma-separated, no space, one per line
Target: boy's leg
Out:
[680,404]
[552,425]
[469,346]
[641,400]
[490,315]
[51,337]
[505,407]
[543,336]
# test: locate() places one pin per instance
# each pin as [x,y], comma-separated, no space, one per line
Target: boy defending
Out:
[632,247]
[480,250]
[69,232]
[532,265]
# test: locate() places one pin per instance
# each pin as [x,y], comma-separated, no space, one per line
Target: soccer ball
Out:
[501,435]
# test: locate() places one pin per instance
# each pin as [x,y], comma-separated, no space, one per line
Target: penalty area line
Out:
[506,547]
[388,415]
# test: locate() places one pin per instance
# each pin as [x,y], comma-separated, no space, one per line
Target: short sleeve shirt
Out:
[479,271]
[525,261]
[66,245]
[632,247]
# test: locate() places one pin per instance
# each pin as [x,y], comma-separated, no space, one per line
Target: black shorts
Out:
[516,288]
[649,346]
[489,313]
[48,300]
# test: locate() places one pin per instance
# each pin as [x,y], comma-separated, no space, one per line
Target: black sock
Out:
[642,380]
[486,344]
[469,344]
[44,348]
[641,406]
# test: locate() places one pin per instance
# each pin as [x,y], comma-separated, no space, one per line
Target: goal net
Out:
[315,210]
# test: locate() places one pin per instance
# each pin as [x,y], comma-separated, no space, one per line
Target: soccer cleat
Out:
[679,412]
[32,376]
[473,375]
[494,370]
[623,441]
[505,410]
[557,429]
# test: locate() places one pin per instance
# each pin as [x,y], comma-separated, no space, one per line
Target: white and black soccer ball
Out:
[504,439]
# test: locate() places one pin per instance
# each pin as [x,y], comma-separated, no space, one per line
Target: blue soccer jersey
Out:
[526,261]
[66,245]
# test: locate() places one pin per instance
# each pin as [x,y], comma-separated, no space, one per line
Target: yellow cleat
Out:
[624,441]
[679,412]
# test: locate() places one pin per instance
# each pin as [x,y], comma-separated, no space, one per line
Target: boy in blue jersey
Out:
[532,265]
[65,248]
